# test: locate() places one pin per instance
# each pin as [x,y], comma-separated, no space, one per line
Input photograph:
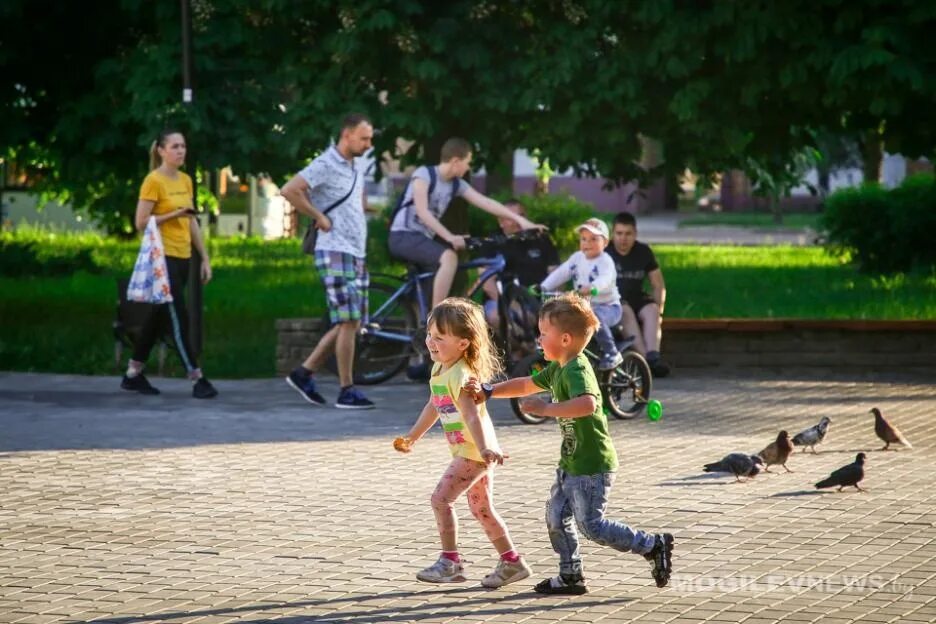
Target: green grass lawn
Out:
[63,323]
[759,220]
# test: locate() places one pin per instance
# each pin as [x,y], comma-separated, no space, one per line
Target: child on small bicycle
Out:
[460,346]
[588,459]
[592,273]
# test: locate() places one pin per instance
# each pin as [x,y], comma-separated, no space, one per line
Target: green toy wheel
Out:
[654,410]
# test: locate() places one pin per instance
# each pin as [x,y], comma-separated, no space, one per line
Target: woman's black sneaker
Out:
[661,558]
[139,384]
[203,389]
[564,584]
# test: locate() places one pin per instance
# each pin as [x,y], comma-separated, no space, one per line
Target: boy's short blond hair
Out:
[571,314]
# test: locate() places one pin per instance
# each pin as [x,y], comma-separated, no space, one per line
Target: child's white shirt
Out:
[586,272]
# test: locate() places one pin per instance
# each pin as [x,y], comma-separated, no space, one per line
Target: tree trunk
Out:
[872,151]
[823,179]
[776,208]
[671,191]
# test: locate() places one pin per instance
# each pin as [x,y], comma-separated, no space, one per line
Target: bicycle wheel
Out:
[518,313]
[626,389]
[524,368]
[377,358]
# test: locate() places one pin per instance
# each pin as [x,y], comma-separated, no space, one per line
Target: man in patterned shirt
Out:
[333,180]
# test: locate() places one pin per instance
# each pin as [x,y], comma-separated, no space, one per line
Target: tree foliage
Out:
[719,84]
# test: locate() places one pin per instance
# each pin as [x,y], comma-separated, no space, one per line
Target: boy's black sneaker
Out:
[138,384]
[304,384]
[564,584]
[203,389]
[661,558]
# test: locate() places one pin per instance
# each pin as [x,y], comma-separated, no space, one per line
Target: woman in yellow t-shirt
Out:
[166,194]
[460,345]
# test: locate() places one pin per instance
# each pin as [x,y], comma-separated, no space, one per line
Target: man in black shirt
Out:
[530,260]
[642,313]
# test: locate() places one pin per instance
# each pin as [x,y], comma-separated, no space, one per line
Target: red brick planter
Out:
[776,344]
[858,346]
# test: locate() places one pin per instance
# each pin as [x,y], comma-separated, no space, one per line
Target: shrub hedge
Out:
[884,231]
[27,251]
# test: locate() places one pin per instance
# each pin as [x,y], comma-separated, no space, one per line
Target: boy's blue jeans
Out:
[610,315]
[581,501]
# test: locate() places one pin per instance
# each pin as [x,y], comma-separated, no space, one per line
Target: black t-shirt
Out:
[632,269]
[529,260]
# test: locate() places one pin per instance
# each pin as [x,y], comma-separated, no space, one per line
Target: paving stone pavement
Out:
[257,507]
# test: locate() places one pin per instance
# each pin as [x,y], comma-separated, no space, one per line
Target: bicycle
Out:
[625,390]
[395,330]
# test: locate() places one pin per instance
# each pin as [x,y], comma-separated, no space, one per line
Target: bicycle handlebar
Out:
[473,243]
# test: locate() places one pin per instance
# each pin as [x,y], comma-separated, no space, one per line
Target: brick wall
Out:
[853,346]
[295,339]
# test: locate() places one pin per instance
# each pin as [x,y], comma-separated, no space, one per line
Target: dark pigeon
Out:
[887,432]
[846,475]
[812,436]
[738,464]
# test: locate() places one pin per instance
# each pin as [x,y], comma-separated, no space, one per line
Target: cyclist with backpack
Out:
[417,235]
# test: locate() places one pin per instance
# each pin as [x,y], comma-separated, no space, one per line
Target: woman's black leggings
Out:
[169,318]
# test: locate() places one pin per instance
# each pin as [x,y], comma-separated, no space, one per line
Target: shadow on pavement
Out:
[797,493]
[44,412]
[480,607]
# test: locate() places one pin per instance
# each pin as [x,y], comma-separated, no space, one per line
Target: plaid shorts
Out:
[346,281]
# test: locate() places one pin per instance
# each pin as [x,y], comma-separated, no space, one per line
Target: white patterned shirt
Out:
[329,177]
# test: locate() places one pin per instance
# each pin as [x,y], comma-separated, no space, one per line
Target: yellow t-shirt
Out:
[445,388]
[171,195]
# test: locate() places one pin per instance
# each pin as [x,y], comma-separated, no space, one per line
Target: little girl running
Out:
[461,348]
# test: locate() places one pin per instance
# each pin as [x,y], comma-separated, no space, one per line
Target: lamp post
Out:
[195,284]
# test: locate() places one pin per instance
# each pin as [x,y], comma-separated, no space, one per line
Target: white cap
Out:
[596,227]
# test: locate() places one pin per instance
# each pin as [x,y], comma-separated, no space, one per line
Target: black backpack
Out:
[400,205]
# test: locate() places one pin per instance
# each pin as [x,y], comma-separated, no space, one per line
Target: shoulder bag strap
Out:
[346,196]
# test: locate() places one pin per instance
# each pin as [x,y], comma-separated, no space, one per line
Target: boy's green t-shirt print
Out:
[587,447]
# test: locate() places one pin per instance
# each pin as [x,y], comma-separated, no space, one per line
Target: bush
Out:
[27,252]
[561,213]
[884,231]
[913,222]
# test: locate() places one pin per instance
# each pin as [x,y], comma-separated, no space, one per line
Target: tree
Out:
[719,85]
[732,85]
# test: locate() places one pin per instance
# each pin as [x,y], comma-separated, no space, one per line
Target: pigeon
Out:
[846,475]
[812,436]
[886,431]
[738,464]
[777,452]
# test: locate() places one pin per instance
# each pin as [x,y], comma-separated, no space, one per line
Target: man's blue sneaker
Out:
[304,384]
[352,398]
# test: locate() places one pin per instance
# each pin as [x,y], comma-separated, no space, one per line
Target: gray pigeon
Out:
[738,464]
[887,432]
[846,475]
[812,436]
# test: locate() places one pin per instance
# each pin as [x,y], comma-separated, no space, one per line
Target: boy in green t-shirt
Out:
[588,459]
